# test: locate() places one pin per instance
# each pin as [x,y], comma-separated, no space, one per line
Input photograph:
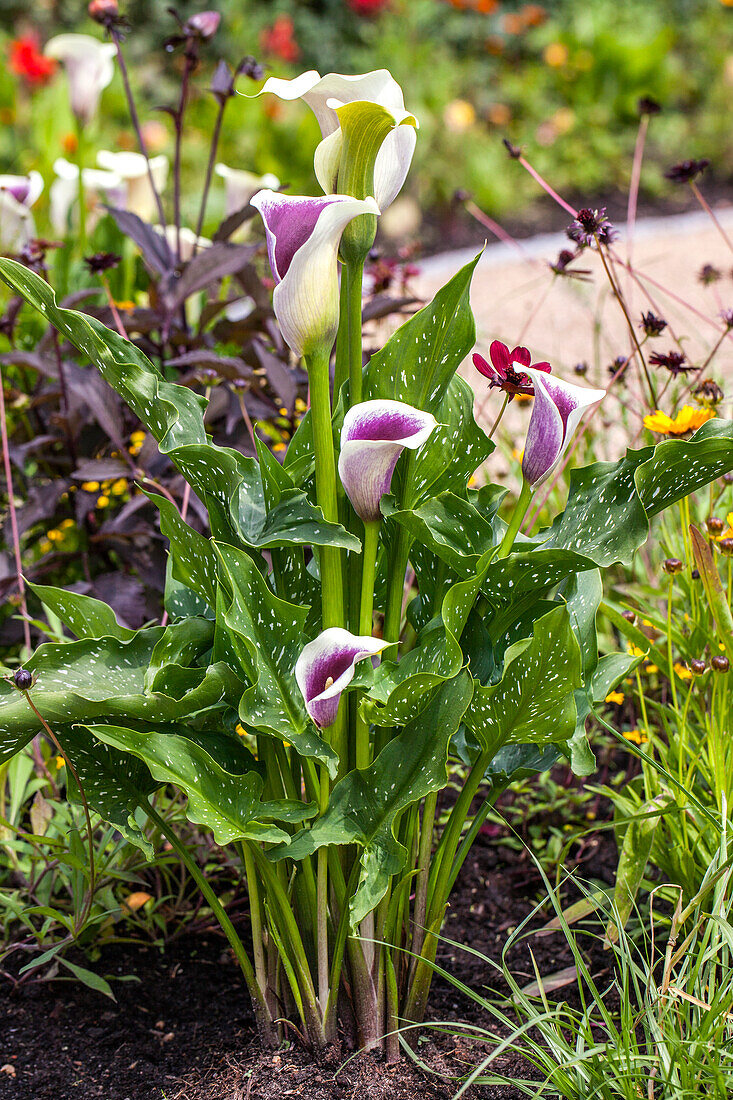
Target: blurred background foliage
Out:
[561,78]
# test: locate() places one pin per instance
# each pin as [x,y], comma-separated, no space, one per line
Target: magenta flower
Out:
[556,412]
[325,668]
[374,435]
[501,371]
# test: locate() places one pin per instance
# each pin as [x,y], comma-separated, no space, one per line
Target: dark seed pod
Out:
[726,547]
[672,566]
[697,666]
[629,616]
[695,574]
[720,663]
[714,525]
[23,679]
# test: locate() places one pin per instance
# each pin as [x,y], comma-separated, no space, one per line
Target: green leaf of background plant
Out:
[364,805]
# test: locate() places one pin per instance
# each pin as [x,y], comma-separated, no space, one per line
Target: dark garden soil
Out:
[185,1031]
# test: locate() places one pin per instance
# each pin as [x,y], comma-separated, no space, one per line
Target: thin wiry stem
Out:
[210,169]
[13,517]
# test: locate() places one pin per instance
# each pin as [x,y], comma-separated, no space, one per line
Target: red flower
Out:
[501,373]
[27,61]
[279,40]
[367,7]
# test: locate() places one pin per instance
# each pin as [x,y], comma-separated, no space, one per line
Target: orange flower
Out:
[686,420]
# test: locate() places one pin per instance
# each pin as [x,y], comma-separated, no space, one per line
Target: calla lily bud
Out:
[374,435]
[17,196]
[132,169]
[326,667]
[303,236]
[204,24]
[89,68]
[558,407]
[325,95]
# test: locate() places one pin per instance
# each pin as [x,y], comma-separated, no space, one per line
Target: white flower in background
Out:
[189,242]
[99,187]
[324,95]
[133,171]
[89,68]
[17,196]
[240,186]
[303,236]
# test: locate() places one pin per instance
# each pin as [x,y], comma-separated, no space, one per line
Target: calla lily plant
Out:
[359,618]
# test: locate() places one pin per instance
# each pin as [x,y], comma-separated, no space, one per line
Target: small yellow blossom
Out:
[125,305]
[279,447]
[45,546]
[137,437]
[682,671]
[615,697]
[590,816]
[59,762]
[636,737]
[240,729]
[634,650]
[90,486]
[119,487]
[103,501]
[67,524]
[300,405]
[650,669]
[686,420]
[556,55]
[459,116]
[54,535]
[729,533]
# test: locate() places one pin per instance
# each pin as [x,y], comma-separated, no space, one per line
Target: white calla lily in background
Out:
[324,95]
[303,236]
[17,196]
[556,412]
[89,68]
[373,436]
[99,187]
[133,171]
[326,667]
[241,186]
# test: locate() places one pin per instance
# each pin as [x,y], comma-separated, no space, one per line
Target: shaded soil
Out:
[185,1031]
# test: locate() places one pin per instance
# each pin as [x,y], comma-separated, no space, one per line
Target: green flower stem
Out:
[80,151]
[520,511]
[264,1019]
[366,609]
[354,280]
[255,915]
[341,369]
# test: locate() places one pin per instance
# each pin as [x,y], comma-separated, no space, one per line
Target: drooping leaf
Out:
[84,616]
[268,634]
[636,847]
[227,804]
[365,804]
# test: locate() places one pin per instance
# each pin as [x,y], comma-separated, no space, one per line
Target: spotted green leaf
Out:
[84,616]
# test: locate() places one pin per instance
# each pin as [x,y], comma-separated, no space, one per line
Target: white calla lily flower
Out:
[17,196]
[133,171]
[89,68]
[99,187]
[241,186]
[324,95]
[303,236]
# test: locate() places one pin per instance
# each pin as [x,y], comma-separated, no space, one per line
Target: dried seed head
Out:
[708,393]
[581,369]
[686,170]
[652,325]
[23,679]
[102,11]
[709,274]
[695,574]
[714,525]
[726,547]
[720,663]
[697,666]
[672,566]
[648,106]
[629,616]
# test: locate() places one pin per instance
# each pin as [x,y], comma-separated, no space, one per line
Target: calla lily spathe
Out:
[373,436]
[326,666]
[303,236]
[241,186]
[89,68]
[324,95]
[17,196]
[556,412]
[99,187]
[133,171]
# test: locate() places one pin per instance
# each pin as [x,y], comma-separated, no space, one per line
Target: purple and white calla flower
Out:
[325,668]
[303,236]
[373,436]
[556,412]
[89,68]
[17,195]
[324,95]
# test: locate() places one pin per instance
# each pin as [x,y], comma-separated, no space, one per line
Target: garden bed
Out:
[185,1031]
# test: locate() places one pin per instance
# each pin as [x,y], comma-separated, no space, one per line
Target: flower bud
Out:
[714,525]
[720,663]
[23,679]
[103,10]
[203,24]
[697,666]
[672,566]
[695,574]
[728,478]
[629,615]
[726,547]
[708,394]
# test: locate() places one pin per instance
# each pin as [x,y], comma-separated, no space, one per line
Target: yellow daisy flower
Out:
[686,420]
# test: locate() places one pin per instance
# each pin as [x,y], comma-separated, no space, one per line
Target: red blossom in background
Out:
[27,61]
[368,7]
[501,370]
[279,40]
